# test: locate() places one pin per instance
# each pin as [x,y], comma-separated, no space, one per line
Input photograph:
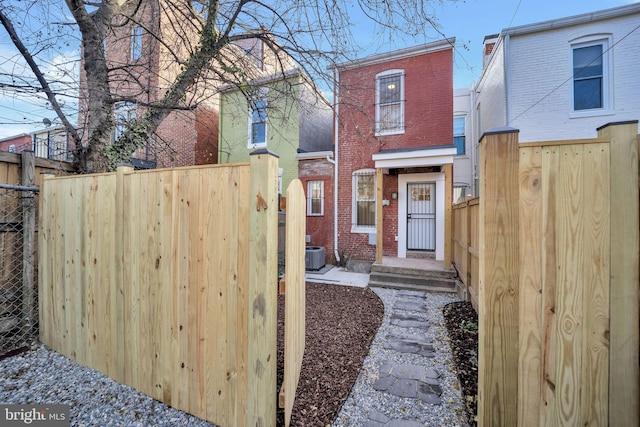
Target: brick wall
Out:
[320,228]
[428,113]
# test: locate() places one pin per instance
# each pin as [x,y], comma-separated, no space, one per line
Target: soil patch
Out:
[462,325]
[341,322]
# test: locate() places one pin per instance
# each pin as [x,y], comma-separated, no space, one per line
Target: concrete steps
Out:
[386,276]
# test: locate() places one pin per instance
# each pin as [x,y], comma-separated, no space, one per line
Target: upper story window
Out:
[123,112]
[315,198]
[364,201]
[459,139]
[390,102]
[136,42]
[591,76]
[258,120]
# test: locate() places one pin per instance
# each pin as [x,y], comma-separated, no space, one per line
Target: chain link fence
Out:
[18,286]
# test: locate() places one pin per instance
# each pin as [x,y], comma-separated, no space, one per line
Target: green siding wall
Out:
[283,128]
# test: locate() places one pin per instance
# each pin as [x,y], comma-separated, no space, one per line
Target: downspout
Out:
[335,169]
[507,77]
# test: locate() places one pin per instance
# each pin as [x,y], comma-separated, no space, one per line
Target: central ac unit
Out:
[314,257]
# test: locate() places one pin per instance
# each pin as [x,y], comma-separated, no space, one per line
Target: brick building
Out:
[145,54]
[394,152]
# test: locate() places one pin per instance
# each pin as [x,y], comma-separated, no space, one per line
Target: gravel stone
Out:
[42,376]
[365,403]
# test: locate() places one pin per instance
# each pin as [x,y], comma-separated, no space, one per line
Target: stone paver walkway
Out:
[405,380]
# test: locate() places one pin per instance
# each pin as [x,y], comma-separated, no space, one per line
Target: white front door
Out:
[421,216]
[408,238]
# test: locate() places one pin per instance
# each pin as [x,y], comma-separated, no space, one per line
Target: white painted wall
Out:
[490,107]
[540,81]
[463,164]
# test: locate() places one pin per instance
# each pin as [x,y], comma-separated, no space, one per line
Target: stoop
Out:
[413,274]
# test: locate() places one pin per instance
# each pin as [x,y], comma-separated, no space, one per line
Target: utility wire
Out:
[571,77]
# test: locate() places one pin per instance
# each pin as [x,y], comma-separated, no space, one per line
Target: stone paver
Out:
[409,343]
[407,380]
[378,419]
[410,306]
[417,324]
[410,381]
[407,316]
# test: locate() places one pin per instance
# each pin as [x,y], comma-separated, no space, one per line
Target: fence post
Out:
[263,290]
[498,287]
[448,215]
[467,249]
[28,171]
[624,389]
[122,372]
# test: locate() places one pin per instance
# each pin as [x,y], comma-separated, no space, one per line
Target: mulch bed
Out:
[462,325]
[341,322]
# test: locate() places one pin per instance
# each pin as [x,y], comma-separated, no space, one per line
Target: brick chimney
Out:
[488,45]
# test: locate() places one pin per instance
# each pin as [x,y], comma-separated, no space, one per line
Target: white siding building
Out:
[564,78]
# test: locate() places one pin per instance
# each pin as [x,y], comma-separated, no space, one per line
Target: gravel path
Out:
[367,406]
[41,376]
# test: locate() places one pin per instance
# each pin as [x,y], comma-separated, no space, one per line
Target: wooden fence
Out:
[295,296]
[20,175]
[559,253]
[465,246]
[166,280]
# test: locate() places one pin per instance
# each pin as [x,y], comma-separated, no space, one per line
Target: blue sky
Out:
[469,21]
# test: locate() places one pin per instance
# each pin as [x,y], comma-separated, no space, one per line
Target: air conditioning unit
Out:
[314,257]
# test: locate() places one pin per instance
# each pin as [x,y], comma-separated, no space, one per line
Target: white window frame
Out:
[355,228]
[260,96]
[136,43]
[464,134]
[378,79]
[123,113]
[311,198]
[607,80]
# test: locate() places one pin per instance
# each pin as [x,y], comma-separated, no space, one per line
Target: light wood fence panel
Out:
[465,246]
[559,275]
[150,278]
[295,303]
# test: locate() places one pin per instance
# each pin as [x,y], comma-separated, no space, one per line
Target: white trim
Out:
[262,95]
[310,197]
[398,54]
[604,40]
[403,180]
[573,20]
[314,155]
[355,228]
[415,158]
[381,75]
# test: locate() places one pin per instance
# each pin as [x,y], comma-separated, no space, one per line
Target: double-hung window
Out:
[459,139]
[124,112]
[136,42]
[590,69]
[390,102]
[315,198]
[364,201]
[258,120]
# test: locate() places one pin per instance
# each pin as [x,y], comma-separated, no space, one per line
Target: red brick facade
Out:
[186,137]
[320,228]
[428,118]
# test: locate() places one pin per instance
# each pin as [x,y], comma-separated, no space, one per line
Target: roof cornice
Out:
[398,54]
[584,18]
